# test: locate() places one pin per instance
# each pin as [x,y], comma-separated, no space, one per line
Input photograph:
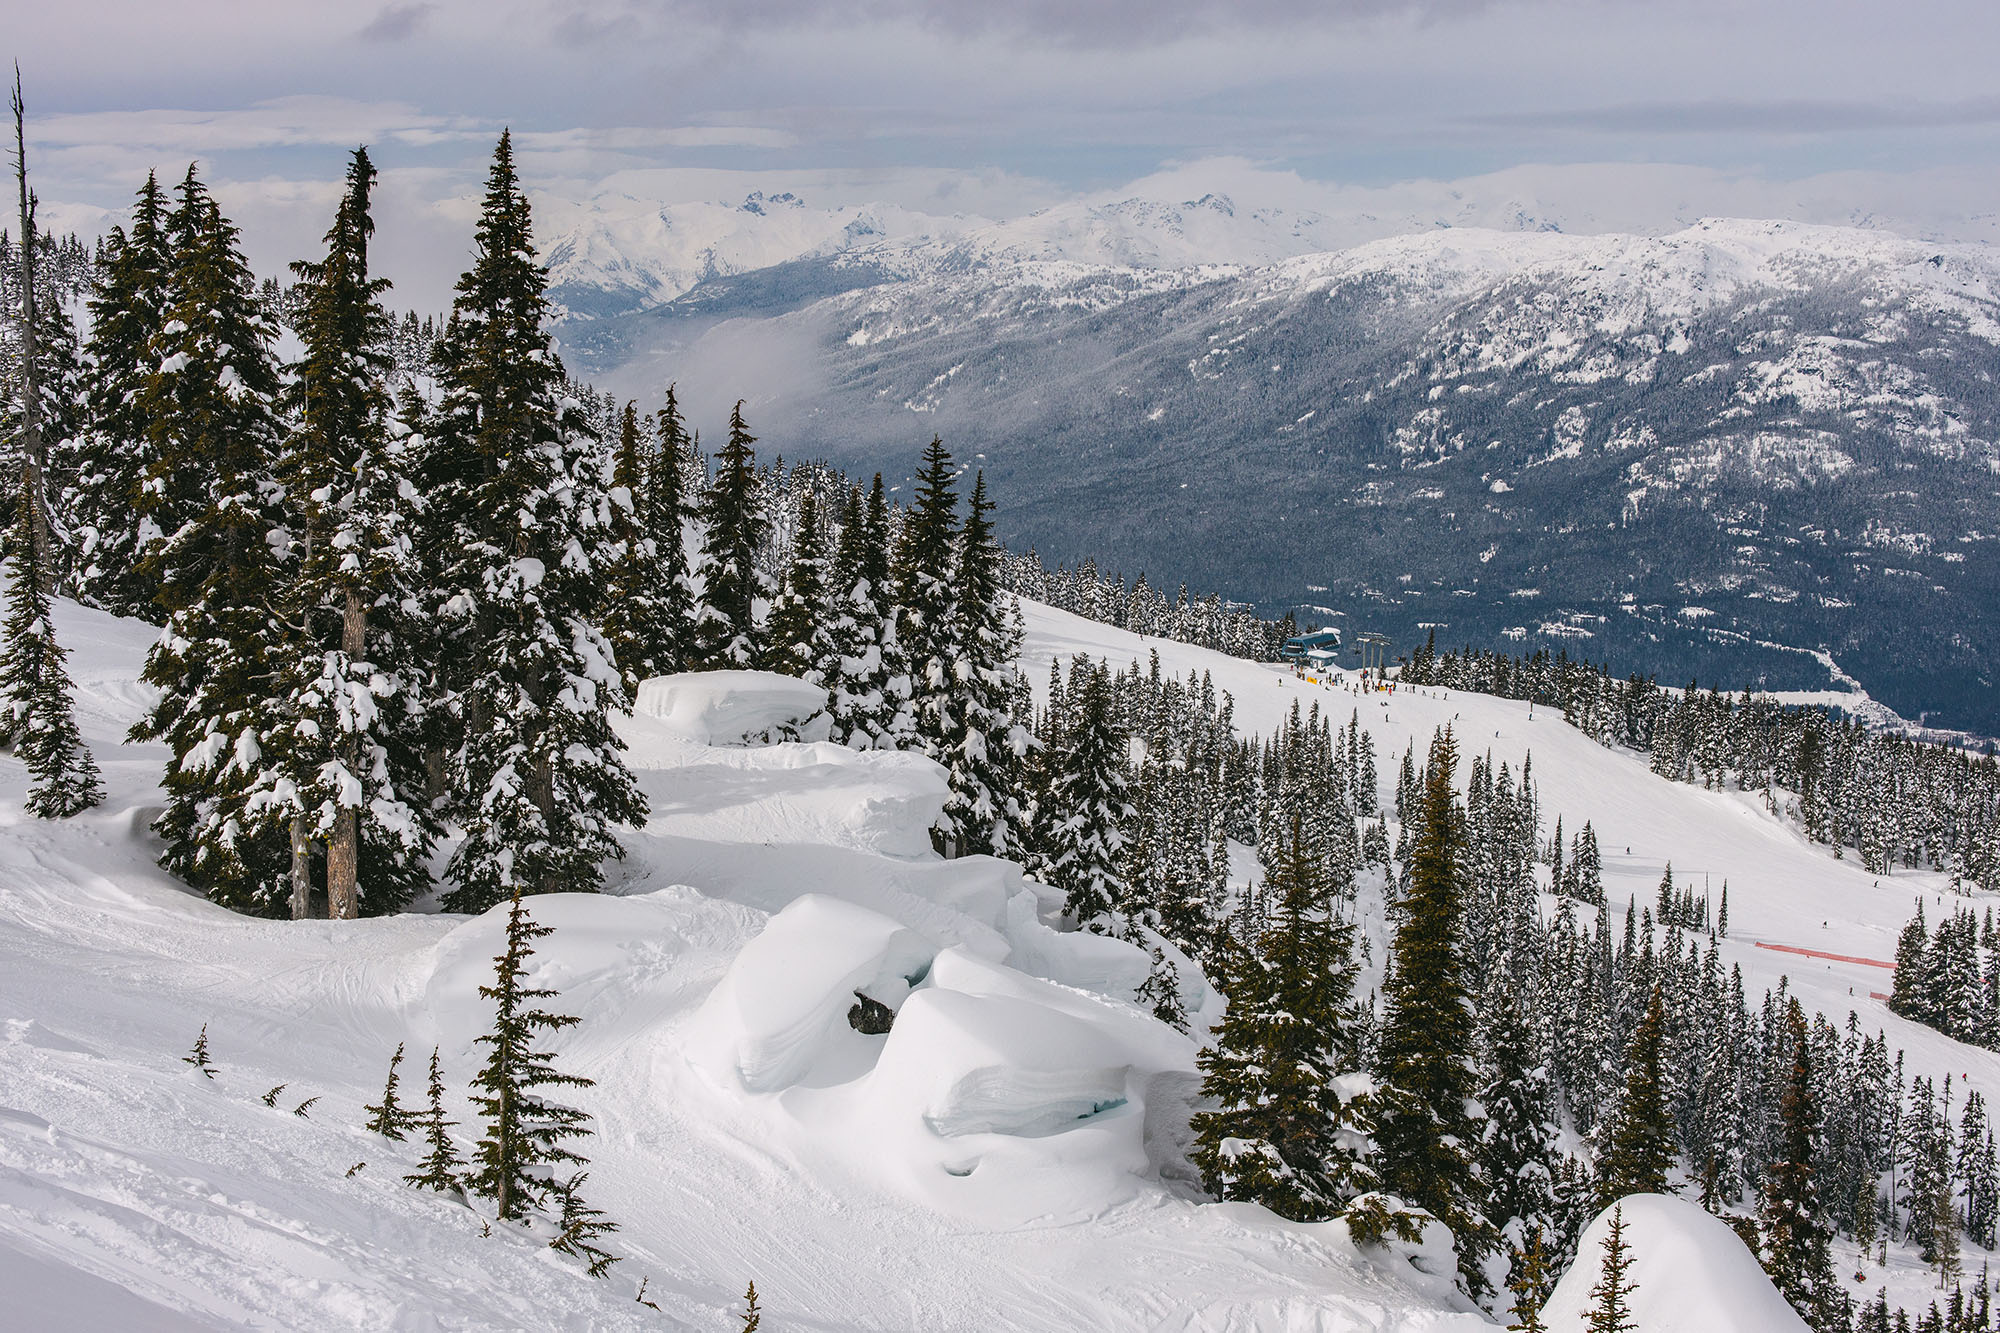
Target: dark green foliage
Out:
[985,746]
[271,1098]
[752,1315]
[579,1227]
[1080,821]
[208,504]
[348,709]
[926,602]
[727,633]
[1795,1249]
[106,467]
[1638,1142]
[1285,1132]
[642,623]
[517,550]
[664,509]
[525,1134]
[798,640]
[198,1057]
[442,1168]
[1423,1062]
[391,1119]
[35,691]
[1529,1280]
[1613,1312]
[304,1107]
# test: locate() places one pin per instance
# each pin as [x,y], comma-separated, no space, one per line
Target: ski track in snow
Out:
[135,1194]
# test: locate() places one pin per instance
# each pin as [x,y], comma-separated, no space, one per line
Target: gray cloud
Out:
[398,23]
[1731,116]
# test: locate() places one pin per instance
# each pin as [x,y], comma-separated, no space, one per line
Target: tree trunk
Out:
[32,446]
[343,849]
[301,869]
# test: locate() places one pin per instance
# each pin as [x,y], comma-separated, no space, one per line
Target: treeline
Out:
[1206,621]
[1892,801]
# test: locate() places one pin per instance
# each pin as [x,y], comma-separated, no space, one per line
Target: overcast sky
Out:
[1863,107]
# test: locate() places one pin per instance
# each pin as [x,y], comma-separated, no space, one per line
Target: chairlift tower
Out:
[1374,650]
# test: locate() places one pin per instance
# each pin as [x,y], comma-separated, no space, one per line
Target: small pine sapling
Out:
[1611,1314]
[442,1164]
[271,1097]
[579,1227]
[355,1168]
[752,1314]
[1529,1283]
[391,1119]
[302,1109]
[199,1056]
[641,1297]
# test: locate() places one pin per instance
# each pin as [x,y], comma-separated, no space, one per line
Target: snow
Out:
[1008,1155]
[1690,1274]
[735,707]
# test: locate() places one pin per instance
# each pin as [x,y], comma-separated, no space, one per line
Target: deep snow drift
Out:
[1007,1155]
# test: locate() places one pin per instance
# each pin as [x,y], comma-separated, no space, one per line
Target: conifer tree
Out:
[985,746]
[35,689]
[348,710]
[390,1118]
[524,536]
[525,1133]
[1081,834]
[1638,1140]
[862,684]
[799,639]
[1520,1130]
[664,512]
[752,1315]
[1286,1133]
[579,1227]
[207,507]
[1423,1064]
[1612,1313]
[729,627]
[1528,1280]
[442,1169]
[639,608]
[198,1057]
[927,601]
[1795,1250]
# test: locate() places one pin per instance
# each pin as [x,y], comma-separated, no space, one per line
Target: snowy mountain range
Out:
[1496,433]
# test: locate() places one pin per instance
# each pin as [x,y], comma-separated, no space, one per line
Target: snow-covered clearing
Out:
[1006,1157]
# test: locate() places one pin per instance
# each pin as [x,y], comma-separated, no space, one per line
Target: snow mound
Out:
[785,999]
[736,707]
[1691,1274]
[984,1049]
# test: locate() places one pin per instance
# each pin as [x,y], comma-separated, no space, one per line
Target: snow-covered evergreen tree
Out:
[986,746]
[1080,821]
[539,772]
[799,638]
[640,606]
[1638,1140]
[736,592]
[1423,1057]
[35,689]
[1291,1126]
[347,709]
[926,601]
[209,505]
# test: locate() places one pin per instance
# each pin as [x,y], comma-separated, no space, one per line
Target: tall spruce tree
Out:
[1423,1061]
[1796,1248]
[34,688]
[1080,822]
[348,707]
[1638,1140]
[799,638]
[862,685]
[1288,1131]
[664,514]
[926,601]
[208,505]
[525,537]
[986,746]
[639,610]
[1520,1131]
[525,1134]
[729,629]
